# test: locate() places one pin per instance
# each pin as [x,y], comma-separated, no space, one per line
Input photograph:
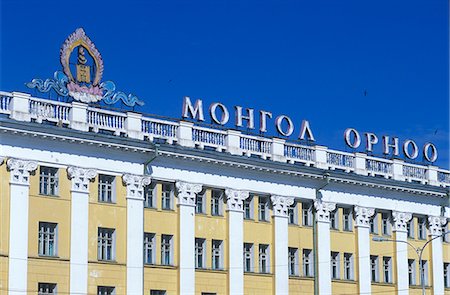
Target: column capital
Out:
[280,205]
[135,185]
[400,220]
[20,170]
[80,178]
[235,199]
[363,215]
[435,224]
[187,192]
[323,210]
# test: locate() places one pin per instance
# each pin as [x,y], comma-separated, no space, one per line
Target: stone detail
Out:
[135,185]
[281,205]
[235,199]
[323,210]
[187,192]
[20,170]
[80,178]
[435,224]
[400,220]
[363,215]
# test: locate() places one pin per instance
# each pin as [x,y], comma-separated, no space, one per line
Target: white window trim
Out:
[113,244]
[203,253]
[377,272]
[220,200]
[412,267]
[113,188]
[388,231]
[389,269]
[425,271]
[350,219]
[351,277]
[152,242]
[338,265]
[334,219]
[447,271]
[55,239]
[295,269]
[220,255]
[250,201]
[56,176]
[170,249]
[201,196]
[265,200]
[171,195]
[251,254]
[152,188]
[309,213]
[293,208]
[374,221]
[267,254]
[310,266]
[411,228]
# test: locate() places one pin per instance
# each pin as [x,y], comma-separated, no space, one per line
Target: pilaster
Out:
[437,263]
[400,221]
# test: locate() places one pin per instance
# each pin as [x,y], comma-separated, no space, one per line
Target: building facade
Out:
[95,201]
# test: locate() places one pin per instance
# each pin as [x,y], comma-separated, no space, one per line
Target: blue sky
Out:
[377,66]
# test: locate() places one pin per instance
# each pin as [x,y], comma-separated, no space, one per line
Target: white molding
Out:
[280,205]
[400,221]
[80,178]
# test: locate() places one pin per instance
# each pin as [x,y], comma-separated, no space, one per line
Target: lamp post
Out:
[418,250]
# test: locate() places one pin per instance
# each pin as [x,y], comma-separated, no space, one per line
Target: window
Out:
[264,258]
[248,257]
[446,237]
[150,196]
[216,202]
[348,266]
[374,224]
[199,253]
[307,260]
[334,219]
[105,188]
[334,265]
[421,228]
[424,265]
[149,248]
[216,254]
[248,208]
[106,244]
[200,203]
[167,196]
[166,249]
[263,208]
[46,288]
[157,292]
[447,275]
[410,228]
[385,224]
[292,213]
[347,218]
[412,271]
[374,268]
[307,214]
[387,269]
[106,290]
[293,261]
[208,293]
[48,181]
[47,239]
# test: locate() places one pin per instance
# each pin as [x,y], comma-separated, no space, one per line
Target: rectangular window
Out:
[308,263]
[374,224]
[263,208]
[347,219]
[48,181]
[292,213]
[410,228]
[374,268]
[248,257]
[334,219]
[385,224]
[335,265]
[248,208]
[264,258]
[411,272]
[199,253]
[216,202]
[387,269]
[307,214]
[421,228]
[101,290]
[150,196]
[47,239]
[166,249]
[446,237]
[157,292]
[106,188]
[46,288]
[200,203]
[424,265]
[348,266]
[447,275]
[216,254]
[293,261]
[106,244]
[149,248]
[167,196]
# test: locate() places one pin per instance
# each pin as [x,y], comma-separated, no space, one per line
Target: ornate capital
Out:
[280,205]
[363,215]
[80,178]
[20,170]
[135,185]
[400,220]
[323,210]
[235,199]
[435,224]
[187,192]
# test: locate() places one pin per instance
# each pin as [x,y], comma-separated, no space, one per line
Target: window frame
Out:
[200,198]
[293,214]
[293,261]
[386,229]
[307,214]
[166,249]
[446,274]
[373,224]
[44,239]
[387,270]
[335,265]
[307,262]
[219,199]
[412,277]
[150,190]
[102,248]
[48,177]
[421,228]
[248,208]
[347,219]
[214,251]
[106,290]
[334,219]
[167,198]
[47,288]
[410,228]
[264,258]
[424,265]
[263,208]
[103,189]
[248,257]
[374,269]
[200,251]
[149,245]
[348,267]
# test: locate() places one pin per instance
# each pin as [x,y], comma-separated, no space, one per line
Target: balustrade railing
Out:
[154,128]
[255,145]
[209,137]
[99,119]
[414,172]
[299,153]
[49,110]
[341,160]
[444,177]
[5,99]
[379,167]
